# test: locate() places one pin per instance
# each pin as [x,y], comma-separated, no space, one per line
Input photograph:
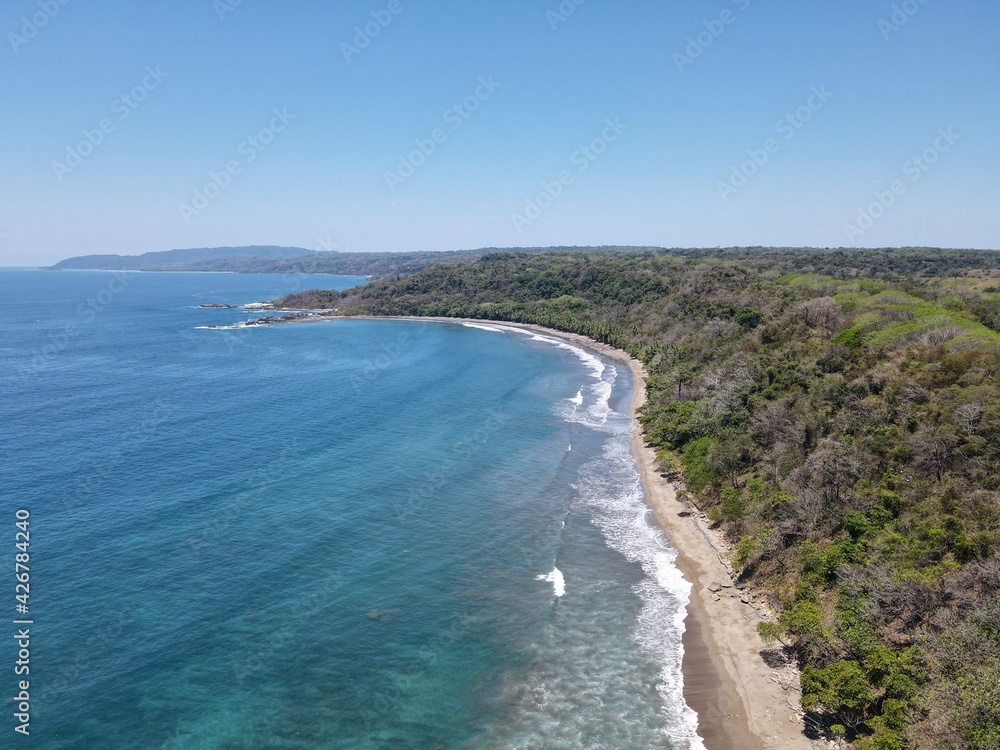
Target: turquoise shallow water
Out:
[354,534]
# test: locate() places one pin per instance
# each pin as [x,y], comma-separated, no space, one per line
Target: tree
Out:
[934,447]
[840,689]
[968,416]
[748,318]
[771,632]
[729,458]
[823,312]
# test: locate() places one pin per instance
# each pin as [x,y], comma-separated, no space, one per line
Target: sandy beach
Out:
[746,695]
[742,702]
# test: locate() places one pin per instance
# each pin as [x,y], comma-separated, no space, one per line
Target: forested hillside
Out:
[838,414]
[292,260]
[190,259]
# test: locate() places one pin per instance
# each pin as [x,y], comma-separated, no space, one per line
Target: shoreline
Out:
[741,702]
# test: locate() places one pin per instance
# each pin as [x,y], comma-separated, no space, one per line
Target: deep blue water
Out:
[349,534]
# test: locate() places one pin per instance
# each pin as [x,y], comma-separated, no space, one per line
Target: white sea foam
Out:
[610,486]
[481,327]
[594,397]
[592,361]
[591,405]
[556,579]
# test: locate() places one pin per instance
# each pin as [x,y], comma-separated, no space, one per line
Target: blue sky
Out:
[462,124]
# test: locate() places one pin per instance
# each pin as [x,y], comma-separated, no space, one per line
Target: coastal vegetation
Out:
[837,414]
[287,260]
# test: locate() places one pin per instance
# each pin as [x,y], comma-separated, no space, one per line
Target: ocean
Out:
[348,534]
